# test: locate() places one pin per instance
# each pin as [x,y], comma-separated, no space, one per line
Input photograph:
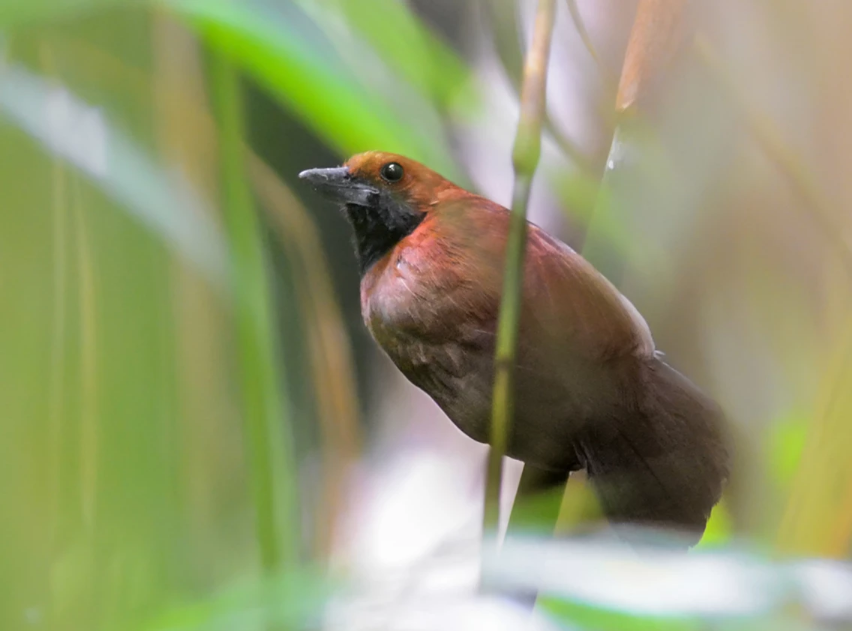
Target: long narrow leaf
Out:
[347,116]
[82,134]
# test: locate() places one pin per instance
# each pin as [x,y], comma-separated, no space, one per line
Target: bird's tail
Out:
[665,466]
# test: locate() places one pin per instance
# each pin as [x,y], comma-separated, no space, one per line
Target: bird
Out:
[591,390]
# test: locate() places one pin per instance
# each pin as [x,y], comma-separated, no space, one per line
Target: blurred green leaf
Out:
[605,620]
[18,12]
[719,528]
[818,515]
[600,619]
[87,390]
[348,117]
[81,133]
[267,415]
[578,194]
[403,42]
[785,443]
[292,600]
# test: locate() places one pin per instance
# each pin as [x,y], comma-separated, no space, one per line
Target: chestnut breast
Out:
[436,325]
[432,304]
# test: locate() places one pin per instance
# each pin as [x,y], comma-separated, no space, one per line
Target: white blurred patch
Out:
[655,582]
[410,541]
[617,153]
[826,588]
[445,613]
[75,131]
[412,508]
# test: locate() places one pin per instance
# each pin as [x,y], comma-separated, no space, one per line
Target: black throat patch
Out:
[380,226]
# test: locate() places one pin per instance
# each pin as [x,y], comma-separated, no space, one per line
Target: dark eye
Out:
[392,172]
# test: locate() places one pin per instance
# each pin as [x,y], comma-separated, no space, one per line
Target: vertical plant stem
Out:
[574,10]
[89,450]
[264,413]
[503,19]
[329,347]
[525,158]
[658,35]
[660,31]
[817,519]
[57,388]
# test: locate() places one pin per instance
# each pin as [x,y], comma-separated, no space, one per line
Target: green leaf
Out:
[291,600]
[21,12]
[81,134]
[347,116]
[404,43]
[785,444]
[267,416]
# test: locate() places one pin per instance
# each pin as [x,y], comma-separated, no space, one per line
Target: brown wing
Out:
[567,305]
[566,295]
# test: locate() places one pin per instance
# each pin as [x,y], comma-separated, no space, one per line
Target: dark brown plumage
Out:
[590,390]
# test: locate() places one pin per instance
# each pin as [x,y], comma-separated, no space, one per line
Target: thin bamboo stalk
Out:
[525,158]
[503,20]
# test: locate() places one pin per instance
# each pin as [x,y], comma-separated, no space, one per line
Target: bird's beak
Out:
[340,186]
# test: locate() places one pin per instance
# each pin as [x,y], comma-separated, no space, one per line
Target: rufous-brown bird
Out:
[590,389]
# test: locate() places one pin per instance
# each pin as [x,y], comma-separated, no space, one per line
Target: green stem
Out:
[264,414]
[502,15]
[525,157]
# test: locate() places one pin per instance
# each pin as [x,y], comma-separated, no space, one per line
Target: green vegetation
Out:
[180,416]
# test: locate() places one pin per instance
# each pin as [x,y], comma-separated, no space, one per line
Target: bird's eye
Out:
[392,172]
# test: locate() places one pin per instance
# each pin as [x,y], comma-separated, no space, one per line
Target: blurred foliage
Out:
[321,90]
[176,376]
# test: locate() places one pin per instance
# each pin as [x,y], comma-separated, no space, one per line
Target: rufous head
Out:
[385,197]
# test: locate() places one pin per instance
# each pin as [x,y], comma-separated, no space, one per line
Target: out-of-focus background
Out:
[196,431]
